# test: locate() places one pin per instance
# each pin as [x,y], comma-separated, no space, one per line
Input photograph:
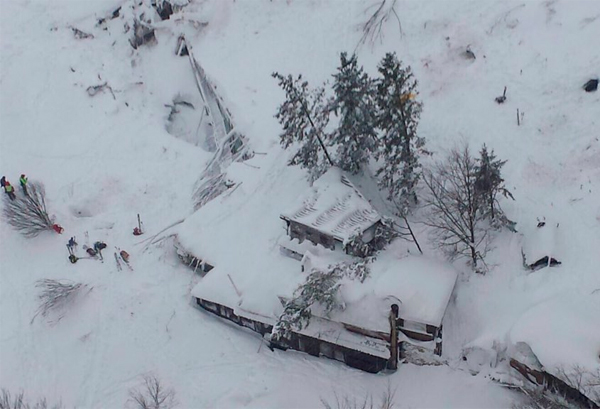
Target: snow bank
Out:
[563,332]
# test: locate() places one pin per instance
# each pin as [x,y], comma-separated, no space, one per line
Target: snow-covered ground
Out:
[104,159]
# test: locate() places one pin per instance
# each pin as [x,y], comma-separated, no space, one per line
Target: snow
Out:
[105,159]
[420,286]
[334,207]
[574,323]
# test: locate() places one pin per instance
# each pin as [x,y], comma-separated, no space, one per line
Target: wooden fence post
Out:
[393,362]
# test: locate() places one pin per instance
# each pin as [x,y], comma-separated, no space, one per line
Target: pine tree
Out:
[354,104]
[397,118]
[489,183]
[303,116]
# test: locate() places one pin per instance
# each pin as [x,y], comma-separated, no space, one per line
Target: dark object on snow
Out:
[72,243]
[91,251]
[73,258]
[113,15]
[3,181]
[142,34]
[501,98]
[164,9]
[541,224]
[591,85]
[182,49]
[99,246]
[468,54]
[92,90]
[124,255]
[543,262]
[58,228]
[80,35]
[137,231]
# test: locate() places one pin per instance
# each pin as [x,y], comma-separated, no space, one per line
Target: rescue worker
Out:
[9,190]
[72,243]
[98,247]
[23,180]
[3,181]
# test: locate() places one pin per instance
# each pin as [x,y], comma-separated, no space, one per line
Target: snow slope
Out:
[104,159]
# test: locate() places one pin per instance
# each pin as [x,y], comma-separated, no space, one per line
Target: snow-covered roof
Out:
[421,287]
[335,207]
[563,332]
[335,333]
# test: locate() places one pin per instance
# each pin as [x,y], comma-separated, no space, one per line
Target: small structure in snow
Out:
[591,85]
[468,54]
[539,249]
[332,214]
[502,98]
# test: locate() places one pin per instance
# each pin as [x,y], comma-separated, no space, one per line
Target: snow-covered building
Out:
[250,278]
[334,214]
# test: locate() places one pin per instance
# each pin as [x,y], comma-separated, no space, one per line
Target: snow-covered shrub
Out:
[152,394]
[28,213]
[386,401]
[57,295]
[19,401]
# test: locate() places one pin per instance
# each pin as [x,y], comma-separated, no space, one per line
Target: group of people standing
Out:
[95,252]
[10,190]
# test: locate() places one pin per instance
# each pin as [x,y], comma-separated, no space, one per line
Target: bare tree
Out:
[18,401]
[384,9]
[153,395]
[386,401]
[459,226]
[583,380]
[28,213]
[57,295]
[538,398]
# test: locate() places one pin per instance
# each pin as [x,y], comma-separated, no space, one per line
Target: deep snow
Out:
[104,159]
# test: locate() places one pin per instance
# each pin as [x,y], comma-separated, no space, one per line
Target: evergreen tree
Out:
[354,104]
[489,183]
[397,118]
[304,117]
